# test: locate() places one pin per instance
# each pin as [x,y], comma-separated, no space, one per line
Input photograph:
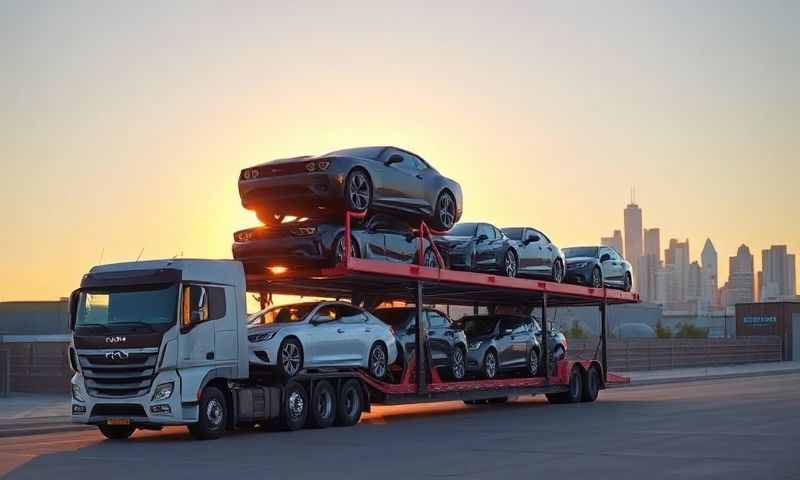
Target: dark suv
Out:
[447,341]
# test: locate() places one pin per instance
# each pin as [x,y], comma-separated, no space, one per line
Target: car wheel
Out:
[338,250]
[558,271]
[212,415]
[591,385]
[628,283]
[378,360]
[358,191]
[268,217]
[294,411]
[533,362]
[458,363]
[290,357]
[597,278]
[489,364]
[116,432]
[444,215]
[323,405]
[574,393]
[348,408]
[430,259]
[510,264]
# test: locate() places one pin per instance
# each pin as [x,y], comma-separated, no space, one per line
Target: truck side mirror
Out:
[73,308]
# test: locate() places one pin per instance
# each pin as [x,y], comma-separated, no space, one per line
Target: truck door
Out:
[196,339]
[222,313]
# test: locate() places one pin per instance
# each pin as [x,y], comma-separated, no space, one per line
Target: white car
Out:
[320,334]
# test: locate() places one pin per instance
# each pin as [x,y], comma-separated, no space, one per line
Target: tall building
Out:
[633,232]
[740,278]
[694,282]
[614,241]
[677,255]
[709,285]
[646,283]
[777,278]
[652,243]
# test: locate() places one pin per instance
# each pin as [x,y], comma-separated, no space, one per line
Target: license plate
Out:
[118,421]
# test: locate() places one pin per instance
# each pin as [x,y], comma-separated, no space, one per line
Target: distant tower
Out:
[614,241]
[652,242]
[633,230]
[710,281]
[740,277]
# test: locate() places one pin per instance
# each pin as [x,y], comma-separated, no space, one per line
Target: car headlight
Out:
[77,394]
[303,231]
[163,391]
[261,337]
[475,345]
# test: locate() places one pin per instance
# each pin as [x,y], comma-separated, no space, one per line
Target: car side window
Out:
[497,233]
[484,229]
[409,164]
[521,327]
[350,314]
[436,320]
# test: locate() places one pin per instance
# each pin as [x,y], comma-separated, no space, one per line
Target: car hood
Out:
[282,161]
[573,260]
[452,239]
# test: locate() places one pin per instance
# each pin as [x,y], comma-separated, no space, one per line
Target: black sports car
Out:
[500,342]
[481,247]
[448,343]
[309,243]
[598,266]
[386,179]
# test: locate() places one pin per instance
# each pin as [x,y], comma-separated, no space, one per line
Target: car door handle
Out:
[210,356]
[340,330]
[367,330]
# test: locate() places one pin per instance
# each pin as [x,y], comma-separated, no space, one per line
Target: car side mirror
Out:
[606,257]
[482,238]
[532,238]
[393,159]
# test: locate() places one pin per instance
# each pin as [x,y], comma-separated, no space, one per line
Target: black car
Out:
[387,179]
[309,243]
[501,342]
[597,266]
[447,341]
[482,247]
[556,341]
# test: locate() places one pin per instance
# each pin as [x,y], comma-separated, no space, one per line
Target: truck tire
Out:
[294,409]
[574,393]
[212,415]
[116,432]
[322,413]
[591,385]
[350,404]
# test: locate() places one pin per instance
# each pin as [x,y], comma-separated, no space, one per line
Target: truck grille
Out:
[118,376]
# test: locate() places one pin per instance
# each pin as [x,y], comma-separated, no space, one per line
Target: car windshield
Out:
[463,230]
[580,252]
[478,326]
[514,233]
[284,314]
[373,153]
[396,318]
[153,305]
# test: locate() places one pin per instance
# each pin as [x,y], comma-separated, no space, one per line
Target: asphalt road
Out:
[746,428]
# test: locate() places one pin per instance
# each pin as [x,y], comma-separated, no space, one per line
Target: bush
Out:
[686,330]
[662,331]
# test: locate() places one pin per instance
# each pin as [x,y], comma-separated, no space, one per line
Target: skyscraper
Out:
[710,281]
[740,277]
[633,232]
[677,255]
[777,279]
[614,241]
[652,242]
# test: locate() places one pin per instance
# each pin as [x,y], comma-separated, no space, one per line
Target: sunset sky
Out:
[124,126]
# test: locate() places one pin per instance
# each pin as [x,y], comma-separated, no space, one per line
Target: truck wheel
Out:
[349,406]
[212,415]
[323,406]
[116,432]
[294,410]
[591,385]
[572,395]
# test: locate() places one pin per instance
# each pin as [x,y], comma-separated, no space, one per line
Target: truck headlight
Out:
[77,395]
[475,346]
[163,391]
[261,337]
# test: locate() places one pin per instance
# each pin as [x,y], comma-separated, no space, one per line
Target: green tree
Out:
[576,331]
[687,330]
[662,331]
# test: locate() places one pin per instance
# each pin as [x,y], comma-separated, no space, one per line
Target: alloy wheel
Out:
[447,211]
[290,358]
[430,259]
[458,363]
[378,361]
[558,272]
[490,365]
[534,362]
[597,278]
[340,250]
[359,191]
[510,264]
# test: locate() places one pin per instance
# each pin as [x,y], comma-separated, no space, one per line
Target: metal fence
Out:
[5,372]
[668,353]
[36,367]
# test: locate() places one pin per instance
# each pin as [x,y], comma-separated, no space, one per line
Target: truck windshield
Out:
[284,314]
[154,305]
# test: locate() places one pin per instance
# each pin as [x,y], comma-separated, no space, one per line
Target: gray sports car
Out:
[501,342]
[387,179]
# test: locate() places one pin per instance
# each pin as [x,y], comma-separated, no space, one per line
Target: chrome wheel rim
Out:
[491,365]
[325,405]
[296,405]
[597,280]
[447,211]
[430,259]
[359,191]
[378,360]
[511,265]
[458,363]
[340,250]
[290,358]
[534,362]
[558,272]
[214,412]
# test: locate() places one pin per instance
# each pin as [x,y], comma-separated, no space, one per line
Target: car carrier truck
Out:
[177,351]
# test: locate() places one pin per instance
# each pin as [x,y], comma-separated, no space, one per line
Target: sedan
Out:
[482,247]
[598,266]
[448,343]
[387,179]
[312,244]
[501,342]
[293,337]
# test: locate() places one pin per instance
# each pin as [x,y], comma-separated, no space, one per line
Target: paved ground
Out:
[733,428]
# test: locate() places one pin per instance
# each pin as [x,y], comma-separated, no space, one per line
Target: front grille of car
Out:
[276,170]
[117,376]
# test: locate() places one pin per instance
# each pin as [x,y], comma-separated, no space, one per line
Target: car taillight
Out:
[243,236]
[303,231]
[311,166]
[249,173]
